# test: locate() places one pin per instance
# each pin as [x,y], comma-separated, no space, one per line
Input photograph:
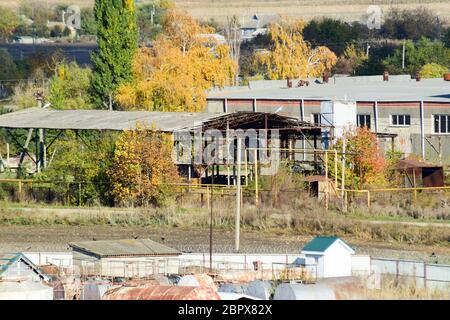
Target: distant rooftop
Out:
[365,88]
[124,248]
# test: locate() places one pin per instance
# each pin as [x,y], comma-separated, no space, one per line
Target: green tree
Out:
[88,25]
[8,69]
[150,18]
[333,33]
[8,22]
[411,24]
[417,55]
[69,89]
[117,38]
[80,158]
[447,38]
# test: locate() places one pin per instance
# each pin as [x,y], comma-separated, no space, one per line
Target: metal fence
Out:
[425,275]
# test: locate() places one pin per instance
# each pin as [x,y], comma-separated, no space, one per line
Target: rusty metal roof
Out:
[411,164]
[123,248]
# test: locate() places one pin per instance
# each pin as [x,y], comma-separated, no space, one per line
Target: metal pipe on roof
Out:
[376,115]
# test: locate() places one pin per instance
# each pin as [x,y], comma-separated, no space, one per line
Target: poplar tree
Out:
[117,37]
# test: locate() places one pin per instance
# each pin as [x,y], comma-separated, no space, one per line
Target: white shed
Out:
[331,255]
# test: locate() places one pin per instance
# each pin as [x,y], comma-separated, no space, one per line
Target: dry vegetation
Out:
[303,215]
[391,288]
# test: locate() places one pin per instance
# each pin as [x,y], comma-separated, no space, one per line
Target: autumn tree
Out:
[175,73]
[142,168]
[350,60]
[365,163]
[182,30]
[290,56]
[117,38]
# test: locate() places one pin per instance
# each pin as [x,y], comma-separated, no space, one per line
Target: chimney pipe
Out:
[289,83]
[418,78]
[325,77]
[447,76]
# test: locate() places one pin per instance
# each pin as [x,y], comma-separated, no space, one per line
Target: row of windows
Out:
[441,122]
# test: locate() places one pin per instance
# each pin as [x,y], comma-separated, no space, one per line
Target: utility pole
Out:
[403,55]
[238,195]
[152,13]
[211,221]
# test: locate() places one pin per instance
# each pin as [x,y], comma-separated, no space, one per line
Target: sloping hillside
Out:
[219,9]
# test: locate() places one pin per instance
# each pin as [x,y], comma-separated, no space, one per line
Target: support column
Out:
[422,130]
[238,196]
[375,112]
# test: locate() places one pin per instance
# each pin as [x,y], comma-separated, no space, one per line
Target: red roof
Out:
[411,164]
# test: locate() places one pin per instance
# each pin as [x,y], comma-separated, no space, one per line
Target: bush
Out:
[433,70]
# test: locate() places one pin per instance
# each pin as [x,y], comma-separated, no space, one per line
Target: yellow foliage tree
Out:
[175,73]
[142,168]
[290,56]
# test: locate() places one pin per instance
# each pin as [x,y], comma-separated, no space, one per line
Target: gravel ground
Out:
[56,238]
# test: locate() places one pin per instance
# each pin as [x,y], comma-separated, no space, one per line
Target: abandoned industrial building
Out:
[415,113]
[40,121]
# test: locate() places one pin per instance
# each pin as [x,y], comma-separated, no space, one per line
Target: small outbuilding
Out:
[331,255]
[125,258]
[420,174]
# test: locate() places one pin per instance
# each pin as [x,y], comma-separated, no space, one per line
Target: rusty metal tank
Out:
[152,292]
[298,291]
[259,289]
[197,280]
[340,288]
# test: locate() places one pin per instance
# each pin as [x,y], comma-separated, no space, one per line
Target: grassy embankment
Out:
[302,215]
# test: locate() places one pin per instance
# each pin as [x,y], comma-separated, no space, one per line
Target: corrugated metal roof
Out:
[7,259]
[102,119]
[321,244]
[349,88]
[124,248]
